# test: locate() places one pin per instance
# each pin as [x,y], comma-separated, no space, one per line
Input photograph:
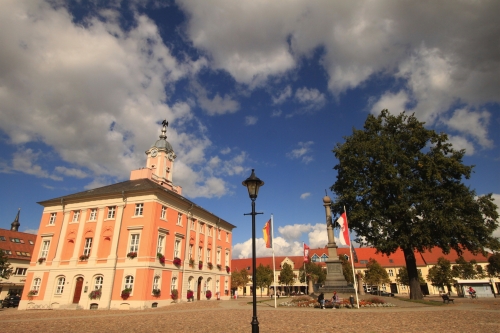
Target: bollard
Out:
[351,300]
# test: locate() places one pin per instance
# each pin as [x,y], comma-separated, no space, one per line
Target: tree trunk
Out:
[411,266]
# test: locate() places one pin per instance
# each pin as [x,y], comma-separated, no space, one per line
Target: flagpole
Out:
[352,263]
[274,263]
[305,273]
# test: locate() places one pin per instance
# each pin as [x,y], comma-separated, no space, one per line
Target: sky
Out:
[265,85]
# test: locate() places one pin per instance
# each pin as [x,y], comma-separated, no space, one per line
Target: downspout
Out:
[113,273]
[186,248]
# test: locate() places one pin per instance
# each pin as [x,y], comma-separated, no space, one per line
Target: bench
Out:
[447,299]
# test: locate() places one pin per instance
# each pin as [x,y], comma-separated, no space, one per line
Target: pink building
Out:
[130,245]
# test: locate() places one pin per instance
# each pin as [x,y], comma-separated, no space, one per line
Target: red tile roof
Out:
[14,247]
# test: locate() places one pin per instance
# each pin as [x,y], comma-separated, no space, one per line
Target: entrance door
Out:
[199,288]
[78,290]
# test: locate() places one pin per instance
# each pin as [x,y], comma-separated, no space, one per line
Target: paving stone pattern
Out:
[234,316]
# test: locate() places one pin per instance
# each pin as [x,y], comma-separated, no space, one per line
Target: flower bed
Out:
[190,295]
[126,293]
[307,301]
[175,294]
[208,294]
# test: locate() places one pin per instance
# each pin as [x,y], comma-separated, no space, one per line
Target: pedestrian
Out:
[321,300]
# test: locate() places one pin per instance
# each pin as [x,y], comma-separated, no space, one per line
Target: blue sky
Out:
[266,85]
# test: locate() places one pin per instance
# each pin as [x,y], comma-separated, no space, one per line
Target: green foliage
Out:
[5,269]
[403,278]
[314,272]
[263,277]
[239,278]
[463,269]
[347,269]
[286,276]
[493,267]
[440,274]
[375,274]
[403,188]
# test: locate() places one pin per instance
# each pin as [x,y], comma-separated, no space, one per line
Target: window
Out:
[190,253]
[52,219]
[173,284]
[218,257]
[60,285]
[363,262]
[225,285]
[76,216]
[98,282]
[159,245]
[208,255]
[111,212]
[87,247]
[193,225]
[2,238]
[31,242]
[156,282]
[177,248]
[217,288]
[179,219]
[163,214]
[93,214]
[23,254]
[36,284]
[45,249]
[21,271]
[15,240]
[139,209]
[200,253]
[391,272]
[134,243]
[324,258]
[209,231]
[227,258]
[219,232]
[201,228]
[129,282]
[227,237]
[315,258]
[6,251]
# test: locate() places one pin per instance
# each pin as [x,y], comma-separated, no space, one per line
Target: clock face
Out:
[154,152]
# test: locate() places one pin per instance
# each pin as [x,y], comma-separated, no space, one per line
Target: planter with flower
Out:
[177,261]
[32,293]
[156,292]
[219,266]
[132,255]
[228,269]
[209,264]
[126,293]
[191,262]
[84,257]
[208,294]
[161,258]
[96,294]
[190,296]
[174,294]
[40,260]
[200,264]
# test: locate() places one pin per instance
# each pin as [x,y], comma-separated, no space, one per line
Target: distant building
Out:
[129,245]
[391,263]
[18,246]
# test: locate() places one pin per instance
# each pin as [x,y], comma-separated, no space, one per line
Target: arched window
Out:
[60,285]
[98,282]
[36,284]
[190,283]
[129,282]
[173,284]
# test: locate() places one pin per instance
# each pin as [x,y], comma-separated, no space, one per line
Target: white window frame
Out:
[160,243]
[129,282]
[93,214]
[201,228]
[177,248]
[209,252]
[156,283]
[190,254]
[193,224]
[173,283]
[139,209]
[87,247]
[391,272]
[21,271]
[98,282]
[227,237]
[225,285]
[200,253]
[60,285]
[111,212]
[163,214]
[209,231]
[76,216]
[218,235]
[36,284]
[217,287]
[179,219]
[134,242]
[218,257]
[227,258]
[52,219]
[44,251]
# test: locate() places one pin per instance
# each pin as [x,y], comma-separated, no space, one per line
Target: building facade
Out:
[18,247]
[130,245]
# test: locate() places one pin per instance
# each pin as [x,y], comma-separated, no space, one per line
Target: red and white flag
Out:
[344,230]
[306,253]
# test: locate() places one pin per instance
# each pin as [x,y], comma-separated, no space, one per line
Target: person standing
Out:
[321,300]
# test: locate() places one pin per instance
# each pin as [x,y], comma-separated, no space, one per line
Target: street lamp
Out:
[253,184]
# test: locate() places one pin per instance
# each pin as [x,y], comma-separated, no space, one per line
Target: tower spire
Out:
[163,134]
[14,226]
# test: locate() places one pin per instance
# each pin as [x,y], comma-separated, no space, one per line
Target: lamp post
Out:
[253,184]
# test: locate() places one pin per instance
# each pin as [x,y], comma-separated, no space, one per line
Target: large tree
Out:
[239,278]
[464,269]
[264,277]
[493,267]
[440,274]
[286,276]
[403,278]
[315,274]
[375,274]
[5,269]
[402,186]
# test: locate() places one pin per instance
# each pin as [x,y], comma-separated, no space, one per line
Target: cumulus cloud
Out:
[283,95]
[217,105]
[472,123]
[305,195]
[394,102]
[311,98]
[251,120]
[302,152]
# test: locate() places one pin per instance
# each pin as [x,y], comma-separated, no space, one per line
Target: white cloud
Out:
[395,103]
[460,142]
[292,232]
[250,120]
[25,161]
[31,231]
[276,113]
[302,152]
[311,98]
[217,105]
[72,172]
[225,151]
[283,96]
[474,124]
[305,195]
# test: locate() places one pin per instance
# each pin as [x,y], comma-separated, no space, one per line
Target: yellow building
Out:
[129,245]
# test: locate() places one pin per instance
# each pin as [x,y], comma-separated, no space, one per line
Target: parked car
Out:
[381,293]
[11,301]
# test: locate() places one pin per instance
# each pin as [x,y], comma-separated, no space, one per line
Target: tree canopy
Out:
[263,276]
[463,269]
[5,269]
[287,277]
[403,278]
[375,274]
[402,186]
[493,267]
[239,278]
[440,274]
[314,272]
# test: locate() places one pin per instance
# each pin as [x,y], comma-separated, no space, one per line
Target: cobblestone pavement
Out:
[482,315]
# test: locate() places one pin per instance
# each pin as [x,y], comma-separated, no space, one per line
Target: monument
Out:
[335,280]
